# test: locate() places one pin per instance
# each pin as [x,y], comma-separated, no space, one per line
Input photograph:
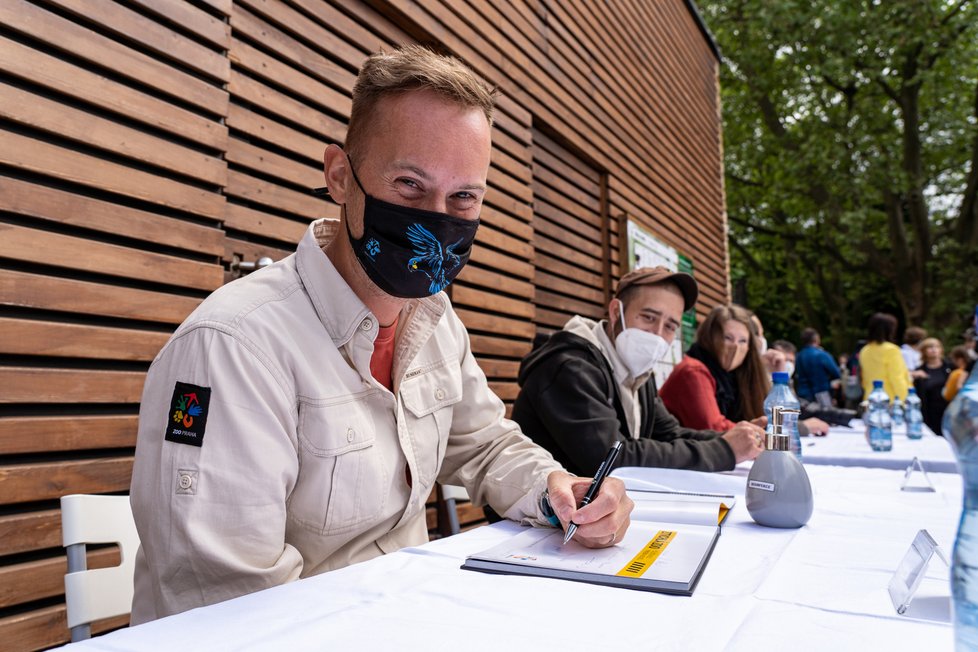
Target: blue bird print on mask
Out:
[430,258]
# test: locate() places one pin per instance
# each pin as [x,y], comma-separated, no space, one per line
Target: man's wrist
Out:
[547,509]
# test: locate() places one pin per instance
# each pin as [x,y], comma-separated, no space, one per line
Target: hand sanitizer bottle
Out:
[779,493]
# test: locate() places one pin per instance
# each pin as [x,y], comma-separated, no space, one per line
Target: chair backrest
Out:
[105,592]
[449,495]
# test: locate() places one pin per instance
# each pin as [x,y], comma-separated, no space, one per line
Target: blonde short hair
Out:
[929,342]
[412,68]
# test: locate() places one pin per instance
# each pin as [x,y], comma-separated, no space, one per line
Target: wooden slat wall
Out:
[112,143]
[567,236]
[146,146]
[631,84]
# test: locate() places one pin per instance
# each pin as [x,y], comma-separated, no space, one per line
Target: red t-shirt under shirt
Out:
[383,358]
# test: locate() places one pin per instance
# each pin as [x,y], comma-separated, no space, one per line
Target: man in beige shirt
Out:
[297,421]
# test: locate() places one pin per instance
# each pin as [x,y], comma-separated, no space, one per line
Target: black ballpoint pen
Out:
[592,491]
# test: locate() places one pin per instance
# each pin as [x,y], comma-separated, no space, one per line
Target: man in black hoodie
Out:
[591,384]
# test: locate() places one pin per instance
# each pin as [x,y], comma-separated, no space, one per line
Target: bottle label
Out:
[757,484]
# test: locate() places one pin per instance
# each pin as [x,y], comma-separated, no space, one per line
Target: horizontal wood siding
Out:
[568,232]
[631,85]
[146,147]
[112,173]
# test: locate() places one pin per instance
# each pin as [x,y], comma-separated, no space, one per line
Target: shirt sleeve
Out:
[897,374]
[488,454]
[572,405]
[831,368]
[951,386]
[689,394]
[211,514]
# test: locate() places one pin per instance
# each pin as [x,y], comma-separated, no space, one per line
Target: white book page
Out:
[639,477]
[670,507]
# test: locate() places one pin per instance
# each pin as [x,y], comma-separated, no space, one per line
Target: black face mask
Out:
[408,252]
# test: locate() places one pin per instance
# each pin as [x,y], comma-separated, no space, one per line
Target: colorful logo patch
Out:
[188,414]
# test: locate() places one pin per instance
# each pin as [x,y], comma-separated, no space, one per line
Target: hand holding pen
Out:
[595,488]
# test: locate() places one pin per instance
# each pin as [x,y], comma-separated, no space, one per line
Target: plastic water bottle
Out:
[960,426]
[781,394]
[915,418]
[878,419]
[896,411]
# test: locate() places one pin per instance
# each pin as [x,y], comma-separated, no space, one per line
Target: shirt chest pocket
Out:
[430,399]
[343,482]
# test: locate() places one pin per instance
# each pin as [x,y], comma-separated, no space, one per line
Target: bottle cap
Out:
[780,377]
[911,391]
[877,384]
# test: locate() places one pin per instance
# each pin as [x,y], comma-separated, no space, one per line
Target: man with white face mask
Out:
[591,385]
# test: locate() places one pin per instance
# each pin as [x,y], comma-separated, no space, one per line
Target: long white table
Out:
[848,447]
[821,587]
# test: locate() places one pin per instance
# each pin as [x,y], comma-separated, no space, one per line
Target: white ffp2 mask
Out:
[639,349]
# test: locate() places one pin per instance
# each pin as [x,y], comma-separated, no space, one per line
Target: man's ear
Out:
[336,168]
[614,314]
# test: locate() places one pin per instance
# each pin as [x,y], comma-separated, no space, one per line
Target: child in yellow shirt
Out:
[959,358]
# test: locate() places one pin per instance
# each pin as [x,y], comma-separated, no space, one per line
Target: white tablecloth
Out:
[848,447]
[821,587]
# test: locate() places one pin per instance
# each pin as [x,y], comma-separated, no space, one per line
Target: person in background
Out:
[959,361]
[591,384]
[773,359]
[790,353]
[969,345]
[815,370]
[853,388]
[336,386]
[840,394]
[910,349]
[881,359]
[721,380]
[929,380]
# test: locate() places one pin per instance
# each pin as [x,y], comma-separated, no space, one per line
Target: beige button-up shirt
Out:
[302,464]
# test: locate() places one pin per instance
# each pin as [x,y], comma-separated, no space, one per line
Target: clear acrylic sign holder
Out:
[921,483]
[911,570]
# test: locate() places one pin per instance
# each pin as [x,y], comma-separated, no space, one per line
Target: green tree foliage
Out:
[851,147]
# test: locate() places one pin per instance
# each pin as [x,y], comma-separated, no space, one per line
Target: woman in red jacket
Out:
[722,379]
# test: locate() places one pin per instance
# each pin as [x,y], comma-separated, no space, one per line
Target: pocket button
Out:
[350,434]
[439,394]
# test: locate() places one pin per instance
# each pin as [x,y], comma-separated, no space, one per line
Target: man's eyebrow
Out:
[410,167]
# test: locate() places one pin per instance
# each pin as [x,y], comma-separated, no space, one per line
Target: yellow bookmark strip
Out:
[647,555]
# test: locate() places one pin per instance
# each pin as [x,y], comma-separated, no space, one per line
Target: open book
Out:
[657,554]
[681,506]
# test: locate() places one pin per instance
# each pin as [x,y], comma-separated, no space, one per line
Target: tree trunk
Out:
[911,293]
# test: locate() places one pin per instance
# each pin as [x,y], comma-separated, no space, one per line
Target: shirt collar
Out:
[339,308]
